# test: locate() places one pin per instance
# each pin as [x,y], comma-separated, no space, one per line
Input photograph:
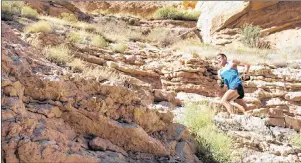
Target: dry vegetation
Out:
[29,12]
[214,146]
[176,14]
[77,65]
[103,73]
[17,8]
[40,26]
[74,37]
[237,51]
[60,55]
[99,41]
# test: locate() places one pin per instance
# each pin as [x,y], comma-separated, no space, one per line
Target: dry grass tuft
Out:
[103,73]
[99,41]
[74,37]
[40,26]
[58,54]
[77,65]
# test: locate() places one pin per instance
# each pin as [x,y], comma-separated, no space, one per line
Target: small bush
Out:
[214,146]
[193,15]
[120,48]
[99,41]
[58,54]
[29,12]
[175,14]
[77,65]
[75,37]
[251,37]
[40,26]
[69,17]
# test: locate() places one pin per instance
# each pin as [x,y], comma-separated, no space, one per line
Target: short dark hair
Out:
[221,54]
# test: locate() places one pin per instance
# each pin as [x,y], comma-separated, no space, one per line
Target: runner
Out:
[228,74]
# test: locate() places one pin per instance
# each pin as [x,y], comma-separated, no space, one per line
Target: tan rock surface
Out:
[49,117]
[282,16]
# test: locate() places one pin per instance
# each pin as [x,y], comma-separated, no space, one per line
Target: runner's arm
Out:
[239,63]
[219,74]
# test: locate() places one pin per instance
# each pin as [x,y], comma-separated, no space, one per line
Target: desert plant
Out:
[251,36]
[99,41]
[40,26]
[103,73]
[119,48]
[214,146]
[69,17]
[192,15]
[175,14]
[74,37]
[77,64]
[58,54]
[29,12]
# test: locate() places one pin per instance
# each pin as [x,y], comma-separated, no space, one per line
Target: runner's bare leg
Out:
[226,100]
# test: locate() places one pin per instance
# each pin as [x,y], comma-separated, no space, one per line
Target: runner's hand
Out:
[245,77]
[221,83]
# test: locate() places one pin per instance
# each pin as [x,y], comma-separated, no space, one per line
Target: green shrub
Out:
[99,41]
[58,54]
[251,36]
[29,12]
[214,146]
[40,26]
[175,14]
[69,17]
[120,48]
[193,15]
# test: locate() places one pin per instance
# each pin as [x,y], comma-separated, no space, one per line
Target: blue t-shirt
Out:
[230,76]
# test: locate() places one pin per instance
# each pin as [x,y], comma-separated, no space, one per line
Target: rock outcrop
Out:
[48,116]
[273,17]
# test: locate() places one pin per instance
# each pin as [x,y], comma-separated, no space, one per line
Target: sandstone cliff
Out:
[273,17]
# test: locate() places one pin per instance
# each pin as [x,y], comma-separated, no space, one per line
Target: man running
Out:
[228,73]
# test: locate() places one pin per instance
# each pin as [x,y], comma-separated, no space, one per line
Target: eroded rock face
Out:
[49,117]
[219,20]
[55,8]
